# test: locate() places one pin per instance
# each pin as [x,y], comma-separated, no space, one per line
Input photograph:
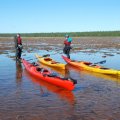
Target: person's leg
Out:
[19,53]
[16,53]
[68,53]
[64,50]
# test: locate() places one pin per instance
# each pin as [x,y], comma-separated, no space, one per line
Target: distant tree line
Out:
[61,34]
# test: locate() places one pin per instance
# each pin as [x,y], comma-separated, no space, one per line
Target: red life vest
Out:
[19,40]
[67,43]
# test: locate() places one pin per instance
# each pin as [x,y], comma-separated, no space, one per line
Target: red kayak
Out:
[44,74]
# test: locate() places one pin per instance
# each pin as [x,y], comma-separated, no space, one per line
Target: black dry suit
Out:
[18,48]
[67,48]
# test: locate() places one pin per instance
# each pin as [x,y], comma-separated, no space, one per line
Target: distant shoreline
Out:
[62,34]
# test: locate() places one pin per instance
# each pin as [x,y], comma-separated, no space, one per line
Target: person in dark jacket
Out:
[67,47]
[18,46]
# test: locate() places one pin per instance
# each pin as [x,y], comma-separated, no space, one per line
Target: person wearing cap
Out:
[18,46]
[67,47]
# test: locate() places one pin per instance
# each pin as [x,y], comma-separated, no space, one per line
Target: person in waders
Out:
[67,47]
[18,46]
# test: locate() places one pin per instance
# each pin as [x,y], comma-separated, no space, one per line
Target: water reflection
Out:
[98,75]
[19,71]
[62,93]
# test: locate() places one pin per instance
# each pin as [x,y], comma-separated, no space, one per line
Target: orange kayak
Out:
[45,75]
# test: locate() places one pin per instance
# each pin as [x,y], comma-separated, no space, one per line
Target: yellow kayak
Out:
[92,67]
[50,62]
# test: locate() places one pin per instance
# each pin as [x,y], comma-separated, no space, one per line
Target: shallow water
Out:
[95,97]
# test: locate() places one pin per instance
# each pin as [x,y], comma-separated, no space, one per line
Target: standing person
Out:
[18,46]
[67,46]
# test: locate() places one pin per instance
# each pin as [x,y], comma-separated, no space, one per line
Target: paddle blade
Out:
[73,80]
[101,62]
[47,55]
[104,61]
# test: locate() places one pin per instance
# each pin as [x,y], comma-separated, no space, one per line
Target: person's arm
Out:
[15,41]
[66,42]
[21,40]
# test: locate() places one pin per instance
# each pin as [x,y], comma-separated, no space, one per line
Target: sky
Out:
[43,16]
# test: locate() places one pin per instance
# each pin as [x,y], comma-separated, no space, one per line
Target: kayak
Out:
[46,75]
[50,62]
[91,67]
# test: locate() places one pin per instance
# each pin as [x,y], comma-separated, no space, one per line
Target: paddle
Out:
[70,78]
[47,55]
[73,80]
[101,62]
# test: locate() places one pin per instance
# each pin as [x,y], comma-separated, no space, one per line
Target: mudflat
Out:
[57,43]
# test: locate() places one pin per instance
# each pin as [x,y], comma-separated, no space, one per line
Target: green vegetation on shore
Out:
[61,34]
